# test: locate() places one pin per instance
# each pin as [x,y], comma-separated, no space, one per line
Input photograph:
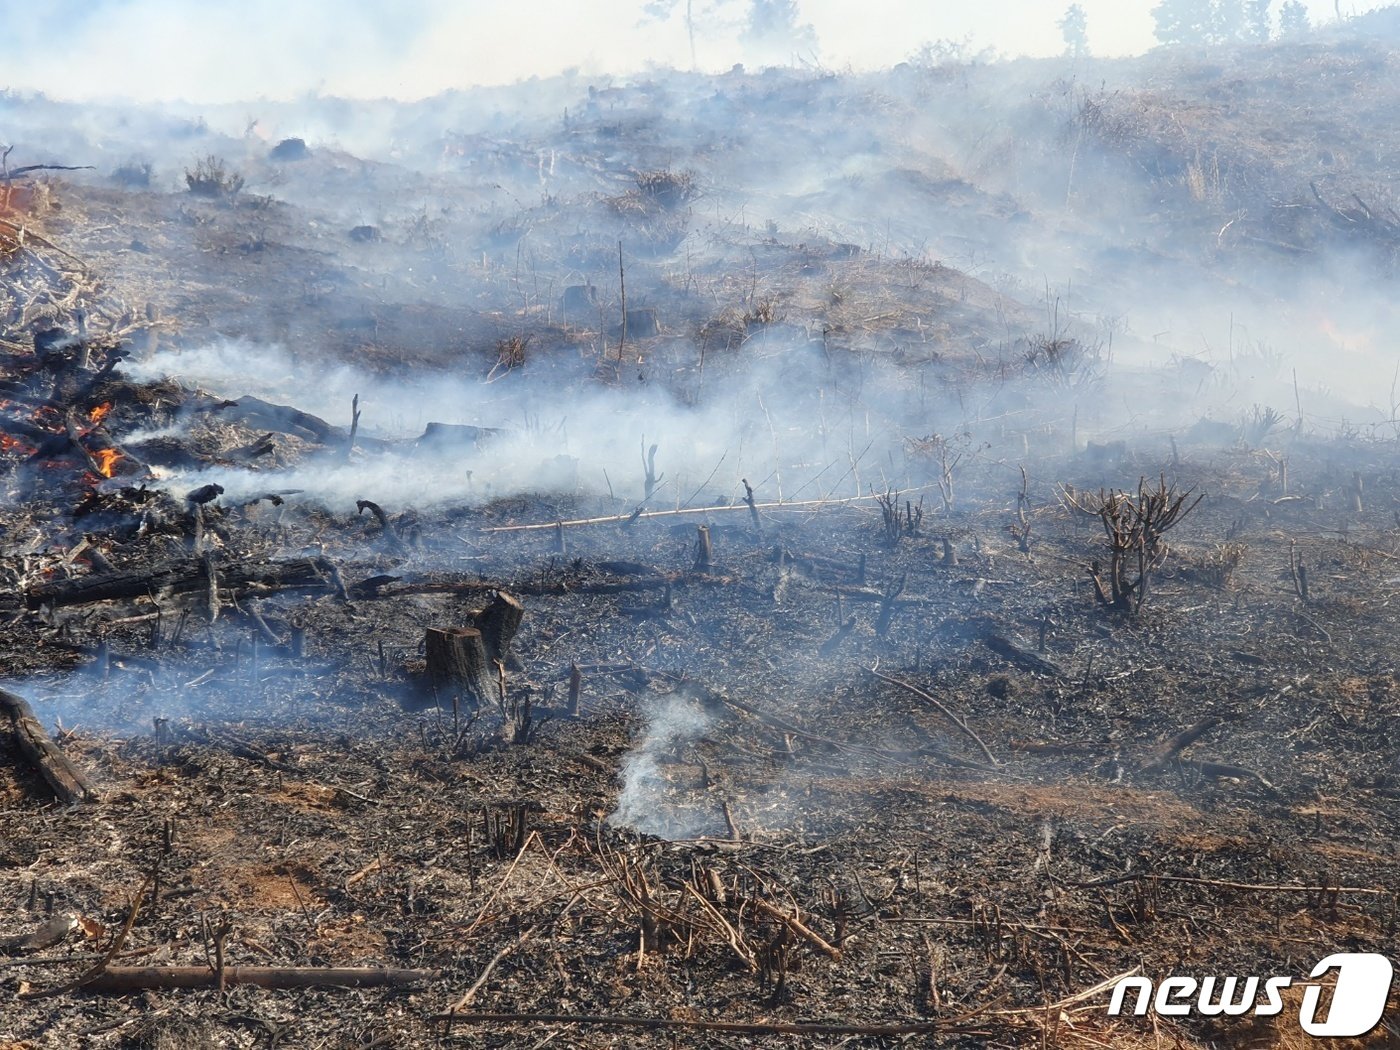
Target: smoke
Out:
[810,337]
[794,423]
[225,52]
[651,802]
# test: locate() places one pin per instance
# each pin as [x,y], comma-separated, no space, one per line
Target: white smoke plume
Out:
[649,802]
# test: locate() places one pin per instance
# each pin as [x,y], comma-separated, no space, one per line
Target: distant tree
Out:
[661,10]
[1184,21]
[936,54]
[773,28]
[1211,21]
[1227,21]
[1257,21]
[1074,27]
[1293,18]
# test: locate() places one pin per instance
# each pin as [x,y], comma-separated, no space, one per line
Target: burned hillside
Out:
[698,560]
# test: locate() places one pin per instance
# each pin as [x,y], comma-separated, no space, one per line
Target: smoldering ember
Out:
[770,558]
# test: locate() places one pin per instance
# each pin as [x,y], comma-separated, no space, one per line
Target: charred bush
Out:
[211,177]
[1064,363]
[1258,424]
[900,521]
[1134,526]
[1216,568]
[762,313]
[134,174]
[510,353]
[289,150]
[666,189]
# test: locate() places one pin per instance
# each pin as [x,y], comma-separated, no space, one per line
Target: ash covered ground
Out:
[954,509]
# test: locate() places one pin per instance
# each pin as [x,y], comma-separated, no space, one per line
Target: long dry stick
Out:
[102,967]
[509,947]
[798,927]
[1139,876]
[139,978]
[1078,997]
[947,713]
[736,1027]
[634,516]
[736,942]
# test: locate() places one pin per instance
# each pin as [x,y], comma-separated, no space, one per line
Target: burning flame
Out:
[9,444]
[106,460]
[99,413]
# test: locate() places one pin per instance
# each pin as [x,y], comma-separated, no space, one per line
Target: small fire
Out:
[99,413]
[106,460]
[9,444]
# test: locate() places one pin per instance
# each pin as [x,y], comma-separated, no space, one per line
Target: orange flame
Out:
[98,414]
[9,444]
[106,460]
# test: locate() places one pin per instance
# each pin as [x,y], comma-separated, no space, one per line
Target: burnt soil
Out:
[295,778]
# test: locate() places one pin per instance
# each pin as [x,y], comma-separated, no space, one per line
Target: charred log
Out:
[182,577]
[67,781]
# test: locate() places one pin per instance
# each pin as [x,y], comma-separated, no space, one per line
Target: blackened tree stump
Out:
[498,623]
[458,664]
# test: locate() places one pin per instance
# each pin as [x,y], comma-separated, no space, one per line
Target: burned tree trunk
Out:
[498,623]
[458,664]
[67,781]
[703,551]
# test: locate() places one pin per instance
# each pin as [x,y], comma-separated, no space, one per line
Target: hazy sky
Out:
[221,50]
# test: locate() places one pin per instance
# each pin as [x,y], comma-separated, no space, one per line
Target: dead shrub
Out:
[1216,568]
[510,354]
[1065,363]
[134,174]
[211,177]
[1134,526]
[667,189]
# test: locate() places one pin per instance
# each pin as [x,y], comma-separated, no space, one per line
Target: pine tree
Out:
[773,27]
[1227,21]
[1184,21]
[1293,18]
[1257,19]
[1074,27]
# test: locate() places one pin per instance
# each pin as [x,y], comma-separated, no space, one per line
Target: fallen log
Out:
[1023,658]
[67,781]
[182,577]
[122,979]
[1160,756]
[264,415]
[454,436]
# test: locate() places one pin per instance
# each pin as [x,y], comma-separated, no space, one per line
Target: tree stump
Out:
[458,664]
[498,623]
[703,550]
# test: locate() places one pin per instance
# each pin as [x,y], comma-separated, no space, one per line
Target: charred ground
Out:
[1068,792]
